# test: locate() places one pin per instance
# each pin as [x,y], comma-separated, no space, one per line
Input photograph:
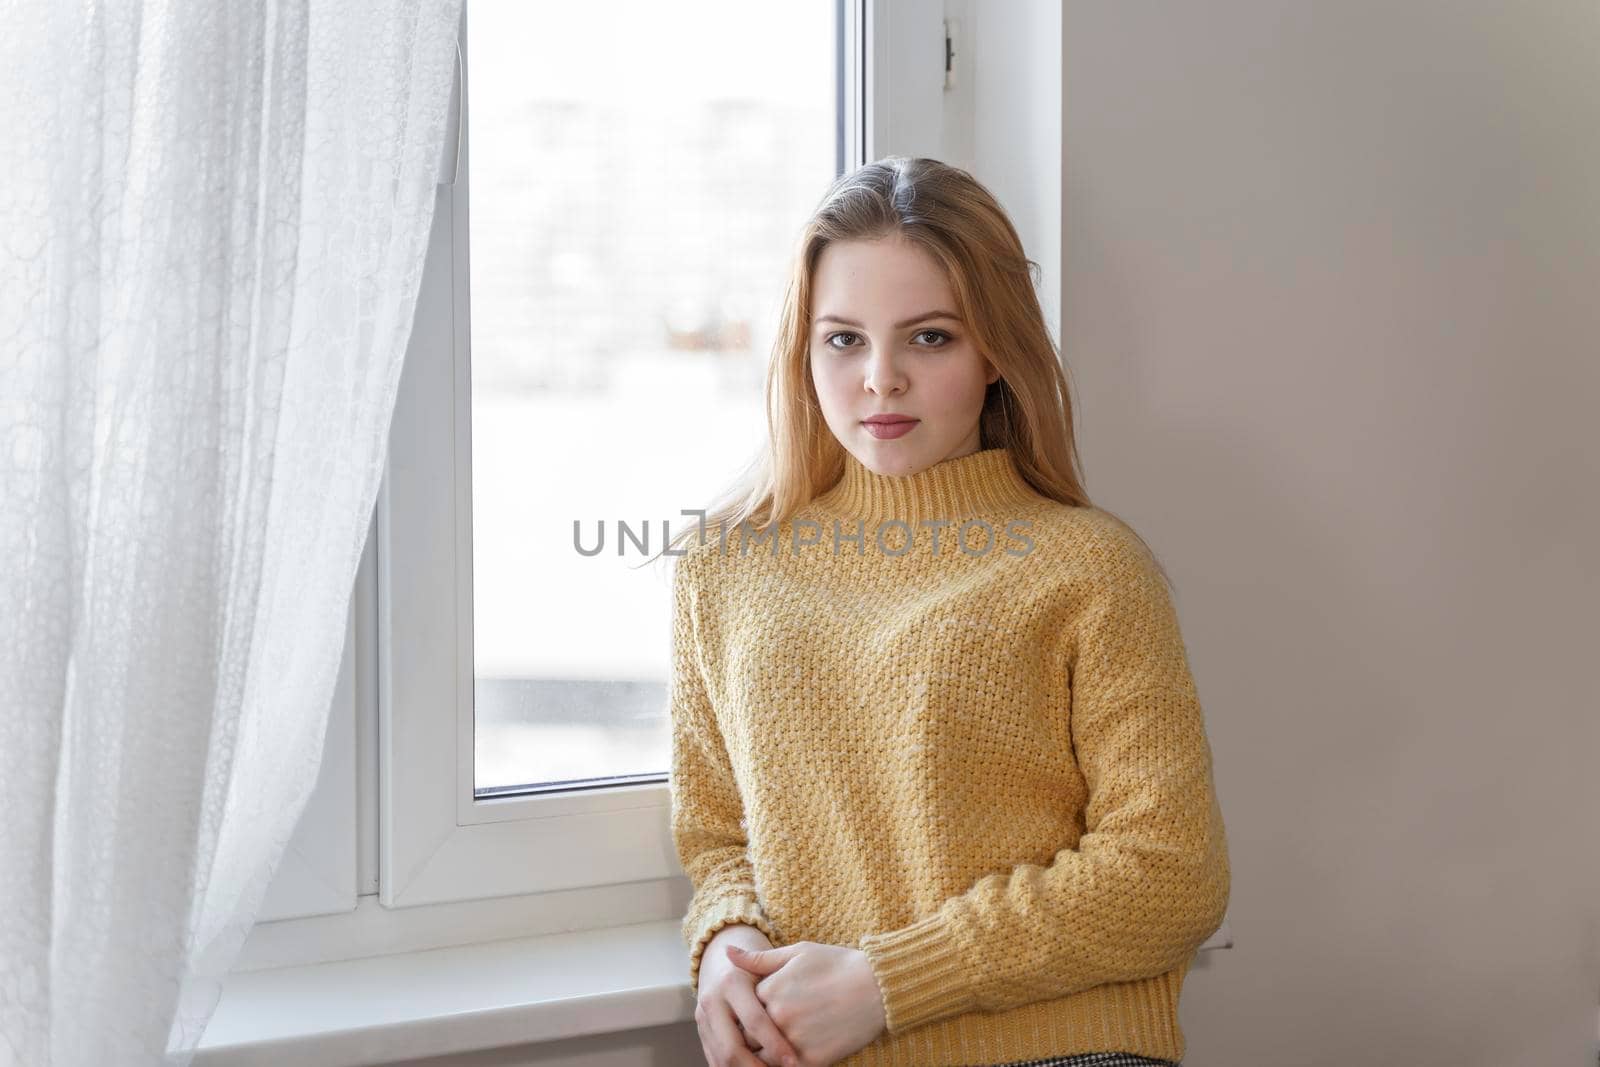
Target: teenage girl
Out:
[940,779]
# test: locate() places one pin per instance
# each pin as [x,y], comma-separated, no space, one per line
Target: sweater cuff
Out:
[704,920]
[919,971]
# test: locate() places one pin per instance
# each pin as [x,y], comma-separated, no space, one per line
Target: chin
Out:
[897,456]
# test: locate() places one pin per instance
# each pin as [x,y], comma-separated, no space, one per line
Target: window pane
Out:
[639,173]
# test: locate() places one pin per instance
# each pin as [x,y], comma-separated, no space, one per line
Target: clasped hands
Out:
[801,1005]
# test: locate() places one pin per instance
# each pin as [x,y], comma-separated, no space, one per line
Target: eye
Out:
[942,338]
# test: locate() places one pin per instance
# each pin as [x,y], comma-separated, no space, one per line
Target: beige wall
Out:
[1332,309]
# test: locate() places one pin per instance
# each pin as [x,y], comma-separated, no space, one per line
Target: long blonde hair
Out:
[1027,410]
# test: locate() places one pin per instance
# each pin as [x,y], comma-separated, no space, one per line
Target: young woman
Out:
[940,778]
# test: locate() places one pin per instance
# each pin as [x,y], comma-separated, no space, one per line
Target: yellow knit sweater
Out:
[982,761]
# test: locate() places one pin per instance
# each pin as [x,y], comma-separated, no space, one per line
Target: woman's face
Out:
[884,340]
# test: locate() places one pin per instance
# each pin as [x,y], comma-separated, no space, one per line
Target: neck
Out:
[982,483]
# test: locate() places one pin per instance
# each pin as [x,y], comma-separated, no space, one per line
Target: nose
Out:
[883,375]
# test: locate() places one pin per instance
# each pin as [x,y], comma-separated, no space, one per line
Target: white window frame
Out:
[438,843]
[393,832]
[319,874]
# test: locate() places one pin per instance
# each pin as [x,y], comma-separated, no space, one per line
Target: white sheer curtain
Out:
[213,220]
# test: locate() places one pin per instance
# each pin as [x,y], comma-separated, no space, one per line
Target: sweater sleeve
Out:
[707,813]
[1148,880]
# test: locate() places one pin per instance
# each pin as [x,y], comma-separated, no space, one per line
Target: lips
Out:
[889,427]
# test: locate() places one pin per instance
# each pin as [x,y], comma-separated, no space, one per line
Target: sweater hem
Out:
[1139,1016]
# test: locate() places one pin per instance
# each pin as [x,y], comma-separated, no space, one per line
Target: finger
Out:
[726,1039]
[761,1054]
[759,1027]
[702,1023]
[765,1055]
[705,1042]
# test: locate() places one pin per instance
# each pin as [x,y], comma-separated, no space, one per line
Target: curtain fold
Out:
[213,223]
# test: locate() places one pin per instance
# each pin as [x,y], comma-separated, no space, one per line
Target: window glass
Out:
[638,175]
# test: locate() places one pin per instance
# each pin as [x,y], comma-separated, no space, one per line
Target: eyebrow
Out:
[926,316]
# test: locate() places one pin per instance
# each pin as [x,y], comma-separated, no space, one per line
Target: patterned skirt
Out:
[1095,1059]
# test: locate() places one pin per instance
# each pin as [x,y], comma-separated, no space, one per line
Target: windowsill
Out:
[463,998]
[452,1000]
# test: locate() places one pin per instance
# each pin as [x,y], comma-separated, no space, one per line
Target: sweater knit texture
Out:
[950,721]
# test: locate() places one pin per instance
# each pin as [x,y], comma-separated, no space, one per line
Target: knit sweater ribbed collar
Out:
[981,483]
